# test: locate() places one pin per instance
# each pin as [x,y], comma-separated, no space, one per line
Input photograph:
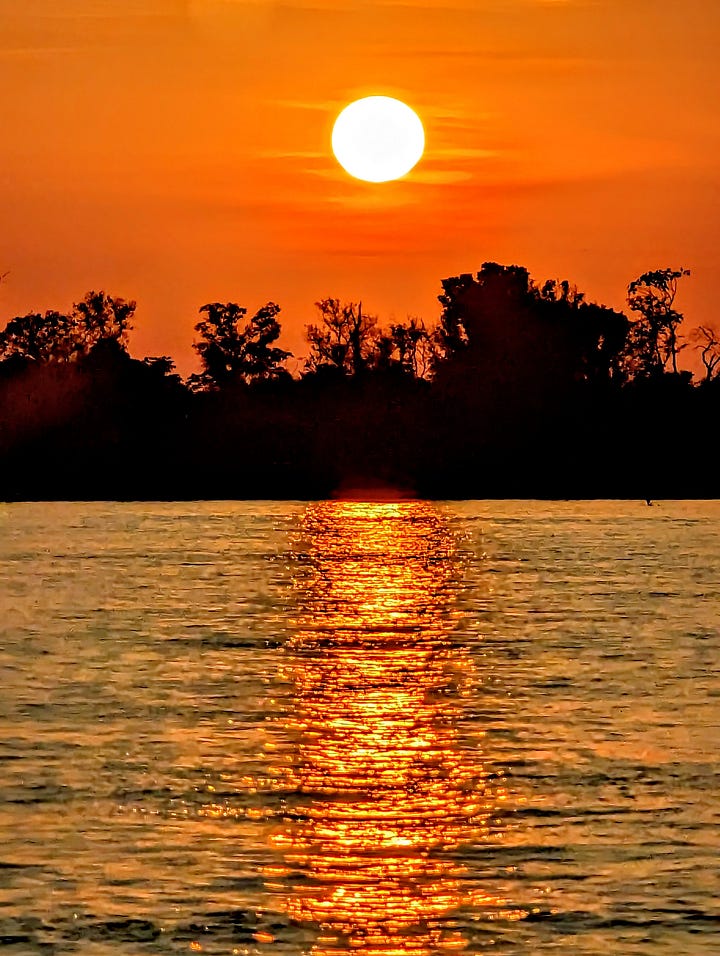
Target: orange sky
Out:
[177,152]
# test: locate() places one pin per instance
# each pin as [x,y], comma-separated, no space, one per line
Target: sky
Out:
[177,152]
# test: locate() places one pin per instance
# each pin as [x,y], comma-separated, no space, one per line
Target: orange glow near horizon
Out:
[387,790]
[178,152]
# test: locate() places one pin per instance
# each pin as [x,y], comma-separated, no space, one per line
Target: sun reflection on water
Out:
[387,784]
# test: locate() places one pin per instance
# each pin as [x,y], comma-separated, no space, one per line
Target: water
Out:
[382,729]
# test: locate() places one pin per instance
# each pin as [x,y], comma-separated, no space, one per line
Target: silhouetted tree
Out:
[60,337]
[554,291]
[162,364]
[37,338]
[524,399]
[100,318]
[345,338]
[233,350]
[409,348]
[707,341]
[508,328]
[451,335]
[596,334]
[653,342]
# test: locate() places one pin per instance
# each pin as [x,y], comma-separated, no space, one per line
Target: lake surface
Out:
[345,727]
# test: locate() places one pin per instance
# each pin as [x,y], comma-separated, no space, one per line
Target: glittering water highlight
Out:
[382,728]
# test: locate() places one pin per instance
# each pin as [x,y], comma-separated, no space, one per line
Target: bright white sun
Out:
[378,139]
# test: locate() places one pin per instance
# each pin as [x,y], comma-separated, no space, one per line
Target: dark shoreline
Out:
[370,499]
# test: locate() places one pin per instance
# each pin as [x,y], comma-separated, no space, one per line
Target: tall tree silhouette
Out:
[234,350]
[344,339]
[653,344]
[503,330]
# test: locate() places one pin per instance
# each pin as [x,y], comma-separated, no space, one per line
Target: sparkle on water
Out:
[390,729]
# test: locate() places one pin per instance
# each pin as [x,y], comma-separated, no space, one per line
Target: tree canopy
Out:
[507,332]
[521,388]
[62,337]
[351,343]
[653,344]
[235,350]
[343,340]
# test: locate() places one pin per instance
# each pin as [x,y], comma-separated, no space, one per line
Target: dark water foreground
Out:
[381,729]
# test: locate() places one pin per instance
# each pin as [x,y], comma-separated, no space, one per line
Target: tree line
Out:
[520,388]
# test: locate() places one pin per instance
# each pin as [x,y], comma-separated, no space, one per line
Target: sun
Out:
[378,139]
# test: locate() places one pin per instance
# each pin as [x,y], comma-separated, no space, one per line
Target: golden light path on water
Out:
[387,785]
